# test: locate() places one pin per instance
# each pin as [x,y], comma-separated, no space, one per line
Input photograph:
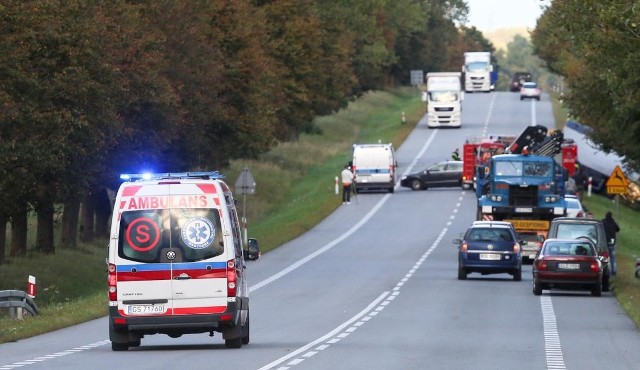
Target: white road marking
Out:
[553,347]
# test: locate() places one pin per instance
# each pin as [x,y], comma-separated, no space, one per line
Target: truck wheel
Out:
[479,215]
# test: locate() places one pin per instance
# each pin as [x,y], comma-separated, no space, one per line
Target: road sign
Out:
[417,77]
[617,178]
[617,182]
[245,184]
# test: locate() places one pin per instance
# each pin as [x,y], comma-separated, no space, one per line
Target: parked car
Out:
[568,264]
[489,247]
[575,207]
[530,90]
[573,228]
[441,174]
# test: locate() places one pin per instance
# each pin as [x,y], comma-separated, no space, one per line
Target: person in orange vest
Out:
[347,182]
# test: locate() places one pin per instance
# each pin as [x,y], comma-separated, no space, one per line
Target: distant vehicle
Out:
[568,264]
[442,174]
[489,247]
[573,228]
[374,166]
[530,242]
[575,207]
[444,99]
[477,70]
[530,90]
[519,78]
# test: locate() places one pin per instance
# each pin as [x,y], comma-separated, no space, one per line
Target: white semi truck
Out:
[444,99]
[477,70]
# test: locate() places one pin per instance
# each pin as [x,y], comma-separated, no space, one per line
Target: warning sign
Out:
[617,178]
[617,182]
[529,224]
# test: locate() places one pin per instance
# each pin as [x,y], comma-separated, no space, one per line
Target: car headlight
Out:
[403,177]
[550,199]
[496,198]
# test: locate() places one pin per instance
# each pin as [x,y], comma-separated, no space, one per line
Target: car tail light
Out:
[231,278]
[542,265]
[605,254]
[595,266]
[464,247]
[111,280]
[580,214]
[516,247]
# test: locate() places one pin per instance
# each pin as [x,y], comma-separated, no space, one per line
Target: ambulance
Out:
[175,260]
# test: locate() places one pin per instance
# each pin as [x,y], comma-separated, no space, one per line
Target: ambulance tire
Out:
[245,331]
[233,336]
[119,339]
[115,346]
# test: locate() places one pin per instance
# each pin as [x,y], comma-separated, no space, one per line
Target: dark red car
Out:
[568,264]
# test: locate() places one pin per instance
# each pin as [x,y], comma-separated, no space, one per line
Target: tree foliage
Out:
[91,89]
[595,45]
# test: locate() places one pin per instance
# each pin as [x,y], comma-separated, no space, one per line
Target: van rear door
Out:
[171,258]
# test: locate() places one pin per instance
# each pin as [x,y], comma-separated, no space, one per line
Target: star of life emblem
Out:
[198,232]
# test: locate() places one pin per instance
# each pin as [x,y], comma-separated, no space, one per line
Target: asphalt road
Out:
[374,286]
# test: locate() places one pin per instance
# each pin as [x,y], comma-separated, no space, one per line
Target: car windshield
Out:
[489,234]
[568,249]
[443,96]
[530,85]
[518,168]
[574,231]
[573,203]
[477,66]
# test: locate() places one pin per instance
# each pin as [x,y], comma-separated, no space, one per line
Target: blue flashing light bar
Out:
[213,175]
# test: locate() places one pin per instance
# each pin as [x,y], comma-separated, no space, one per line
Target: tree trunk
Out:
[103,211]
[70,217]
[44,231]
[3,238]
[86,220]
[19,232]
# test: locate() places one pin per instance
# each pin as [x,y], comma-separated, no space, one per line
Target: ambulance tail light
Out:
[111,280]
[231,278]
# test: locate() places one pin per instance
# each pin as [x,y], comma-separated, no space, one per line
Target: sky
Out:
[490,15]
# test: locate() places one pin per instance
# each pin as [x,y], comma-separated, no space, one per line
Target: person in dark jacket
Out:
[611,228]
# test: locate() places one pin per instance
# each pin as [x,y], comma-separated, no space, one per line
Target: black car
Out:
[442,174]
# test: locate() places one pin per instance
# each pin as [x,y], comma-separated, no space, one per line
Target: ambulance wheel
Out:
[119,346]
[233,343]
[245,336]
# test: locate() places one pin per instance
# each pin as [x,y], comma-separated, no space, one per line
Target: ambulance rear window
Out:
[170,235]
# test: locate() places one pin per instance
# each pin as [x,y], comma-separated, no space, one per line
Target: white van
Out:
[175,260]
[374,166]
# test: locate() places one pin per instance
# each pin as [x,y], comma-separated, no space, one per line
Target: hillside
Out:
[501,37]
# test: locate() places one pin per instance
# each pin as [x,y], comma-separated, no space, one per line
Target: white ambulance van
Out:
[374,166]
[175,260]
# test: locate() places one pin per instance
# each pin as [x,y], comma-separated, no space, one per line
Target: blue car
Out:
[489,247]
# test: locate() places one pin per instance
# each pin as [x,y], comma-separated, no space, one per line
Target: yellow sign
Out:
[616,189]
[617,179]
[529,224]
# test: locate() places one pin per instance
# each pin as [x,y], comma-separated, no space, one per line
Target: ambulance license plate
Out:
[146,309]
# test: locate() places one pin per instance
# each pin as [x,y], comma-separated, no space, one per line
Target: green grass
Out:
[294,191]
[626,287]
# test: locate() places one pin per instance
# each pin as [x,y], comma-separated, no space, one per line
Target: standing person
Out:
[347,181]
[455,156]
[610,229]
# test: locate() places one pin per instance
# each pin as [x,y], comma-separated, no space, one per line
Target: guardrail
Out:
[17,302]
